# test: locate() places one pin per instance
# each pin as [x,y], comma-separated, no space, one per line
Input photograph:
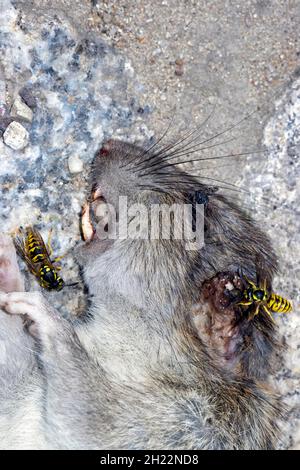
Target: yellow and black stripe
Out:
[258,298]
[278,304]
[31,247]
[35,250]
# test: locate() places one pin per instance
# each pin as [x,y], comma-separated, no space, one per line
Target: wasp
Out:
[31,247]
[261,298]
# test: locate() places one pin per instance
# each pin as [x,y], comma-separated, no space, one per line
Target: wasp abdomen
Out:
[36,253]
[278,304]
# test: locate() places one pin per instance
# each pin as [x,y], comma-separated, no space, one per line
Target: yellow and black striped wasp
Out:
[259,297]
[31,247]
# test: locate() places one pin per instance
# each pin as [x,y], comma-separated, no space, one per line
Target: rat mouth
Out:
[93,212]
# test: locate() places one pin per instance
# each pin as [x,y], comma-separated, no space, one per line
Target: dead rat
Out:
[163,358]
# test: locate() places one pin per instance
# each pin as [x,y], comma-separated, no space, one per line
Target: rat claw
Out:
[86,224]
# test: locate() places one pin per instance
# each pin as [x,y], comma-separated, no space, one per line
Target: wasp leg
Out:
[56,260]
[50,251]
[269,313]
[59,258]
[256,311]
[253,314]
[240,272]
[250,282]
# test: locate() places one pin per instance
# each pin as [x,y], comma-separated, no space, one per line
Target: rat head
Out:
[110,176]
[125,174]
[141,175]
[155,239]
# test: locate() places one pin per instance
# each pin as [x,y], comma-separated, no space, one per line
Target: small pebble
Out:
[4,122]
[21,110]
[229,286]
[16,136]
[75,164]
[179,67]
[28,98]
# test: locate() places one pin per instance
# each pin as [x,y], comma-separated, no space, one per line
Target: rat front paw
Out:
[31,306]
[10,276]
[22,303]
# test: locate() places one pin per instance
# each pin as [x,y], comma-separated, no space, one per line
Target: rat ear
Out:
[107,151]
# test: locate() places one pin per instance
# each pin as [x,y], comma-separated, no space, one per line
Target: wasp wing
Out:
[38,237]
[20,245]
[20,242]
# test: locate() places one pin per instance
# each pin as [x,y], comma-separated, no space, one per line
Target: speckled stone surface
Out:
[94,69]
[76,86]
[280,177]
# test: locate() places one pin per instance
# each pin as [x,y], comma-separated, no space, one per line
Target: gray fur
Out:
[135,372]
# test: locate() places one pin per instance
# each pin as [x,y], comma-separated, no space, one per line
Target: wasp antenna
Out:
[240,272]
[72,284]
[250,282]
[265,284]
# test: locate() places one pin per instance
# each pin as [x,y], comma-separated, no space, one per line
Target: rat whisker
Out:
[189,183]
[228,129]
[172,145]
[159,160]
[233,155]
[137,157]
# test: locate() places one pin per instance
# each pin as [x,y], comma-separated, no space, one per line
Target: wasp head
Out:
[260,295]
[50,279]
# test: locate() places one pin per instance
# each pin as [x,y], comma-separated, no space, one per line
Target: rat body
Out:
[154,363]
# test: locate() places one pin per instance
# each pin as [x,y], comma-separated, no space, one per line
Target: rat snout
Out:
[94,216]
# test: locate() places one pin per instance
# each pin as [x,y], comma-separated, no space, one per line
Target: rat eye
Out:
[198,197]
[201,198]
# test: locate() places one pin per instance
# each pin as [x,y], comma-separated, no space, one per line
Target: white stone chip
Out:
[16,136]
[75,164]
[229,286]
[21,110]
